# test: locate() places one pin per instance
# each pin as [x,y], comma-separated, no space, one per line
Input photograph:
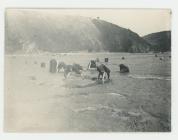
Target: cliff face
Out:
[44,32]
[160,41]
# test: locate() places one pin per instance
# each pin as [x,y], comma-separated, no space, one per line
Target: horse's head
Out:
[61,65]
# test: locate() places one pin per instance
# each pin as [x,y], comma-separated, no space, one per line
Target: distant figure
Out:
[76,68]
[103,70]
[43,65]
[123,58]
[53,66]
[156,55]
[106,60]
[97,60]
[160,58]
[123,68]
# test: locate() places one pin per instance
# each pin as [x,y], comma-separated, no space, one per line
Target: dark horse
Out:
[123,68]
[103,70]
[76,68]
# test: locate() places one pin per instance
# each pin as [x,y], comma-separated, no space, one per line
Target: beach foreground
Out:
[38,101]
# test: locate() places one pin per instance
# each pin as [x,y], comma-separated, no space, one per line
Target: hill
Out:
[160,41]
[37,31]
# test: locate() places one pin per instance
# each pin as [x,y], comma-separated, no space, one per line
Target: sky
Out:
[141,21]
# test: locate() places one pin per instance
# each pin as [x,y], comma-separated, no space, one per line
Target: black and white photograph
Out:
[87,70]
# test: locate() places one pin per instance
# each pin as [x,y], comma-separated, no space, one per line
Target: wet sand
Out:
[38,101]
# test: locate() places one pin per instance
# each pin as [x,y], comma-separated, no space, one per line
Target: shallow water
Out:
[137,101]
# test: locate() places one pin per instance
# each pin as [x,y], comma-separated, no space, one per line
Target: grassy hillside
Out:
[118,39]
[31,31]
[160,41]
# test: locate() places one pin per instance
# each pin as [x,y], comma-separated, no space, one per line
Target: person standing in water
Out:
[103,70]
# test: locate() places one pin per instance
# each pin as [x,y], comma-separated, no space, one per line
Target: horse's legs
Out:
[108,74]
[68,74]
[99,75]
[103,76]
[65,75]
[82,76]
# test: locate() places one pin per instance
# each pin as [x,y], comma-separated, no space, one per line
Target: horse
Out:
[123,68]
[76,68]
[103,70]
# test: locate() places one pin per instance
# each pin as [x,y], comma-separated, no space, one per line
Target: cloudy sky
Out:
[141,21]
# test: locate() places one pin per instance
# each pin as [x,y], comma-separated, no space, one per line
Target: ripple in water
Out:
[149,77]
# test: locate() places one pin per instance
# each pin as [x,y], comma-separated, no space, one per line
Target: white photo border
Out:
[163,4]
